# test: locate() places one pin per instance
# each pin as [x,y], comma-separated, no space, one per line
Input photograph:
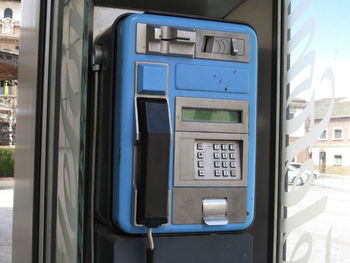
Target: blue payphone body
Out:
[182,112]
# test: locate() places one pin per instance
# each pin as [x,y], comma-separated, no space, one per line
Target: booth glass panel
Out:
[315,147]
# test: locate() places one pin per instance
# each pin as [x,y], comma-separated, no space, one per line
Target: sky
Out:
[331,43]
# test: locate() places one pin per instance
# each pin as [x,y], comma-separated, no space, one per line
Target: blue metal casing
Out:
[188,77]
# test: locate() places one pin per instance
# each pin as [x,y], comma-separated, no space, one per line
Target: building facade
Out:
[10,13]
[331,153]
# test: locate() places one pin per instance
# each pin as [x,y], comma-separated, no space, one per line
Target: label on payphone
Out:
[178,138]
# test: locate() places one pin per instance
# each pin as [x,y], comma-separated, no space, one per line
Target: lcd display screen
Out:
[211,115]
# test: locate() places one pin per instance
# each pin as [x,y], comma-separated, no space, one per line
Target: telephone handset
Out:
[154,144]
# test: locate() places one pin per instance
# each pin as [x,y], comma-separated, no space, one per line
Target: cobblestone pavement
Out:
[6,204]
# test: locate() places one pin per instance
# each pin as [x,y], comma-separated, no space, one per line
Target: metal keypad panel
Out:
[216,160]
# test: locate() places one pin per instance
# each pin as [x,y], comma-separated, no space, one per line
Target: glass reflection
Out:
[316,133]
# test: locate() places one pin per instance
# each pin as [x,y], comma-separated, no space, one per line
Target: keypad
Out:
[217,160]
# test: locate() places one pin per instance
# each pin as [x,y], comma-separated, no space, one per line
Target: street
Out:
[6,204]
[336,217]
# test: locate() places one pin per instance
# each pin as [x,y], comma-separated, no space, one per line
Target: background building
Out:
[10,12]
[332,151]
[296,108]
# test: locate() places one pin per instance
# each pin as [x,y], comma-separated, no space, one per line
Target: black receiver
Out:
[153,181]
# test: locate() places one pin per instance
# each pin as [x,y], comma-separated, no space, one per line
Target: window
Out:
[324,135]
[6,87]
[310,42]
[337,159]
[337,133]
[1,88]
[8,13]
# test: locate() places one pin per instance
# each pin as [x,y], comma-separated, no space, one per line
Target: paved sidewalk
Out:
[336,189]
[6,210]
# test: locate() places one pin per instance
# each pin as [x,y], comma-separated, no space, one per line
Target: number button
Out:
[232,156]
[200,155]
[232,147]
[216,164]
[200,164]
[200,146]
[233,164]
[233,173]
[225,173]
[216,155]
[224,155]
[224,147]
[200,173]
[216,147]
[217,173]
[224,164]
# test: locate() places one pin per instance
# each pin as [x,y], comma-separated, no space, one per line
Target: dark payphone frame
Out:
[103,182]
[41,26]
[270,193]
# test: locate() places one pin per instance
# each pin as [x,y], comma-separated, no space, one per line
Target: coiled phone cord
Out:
[150,249]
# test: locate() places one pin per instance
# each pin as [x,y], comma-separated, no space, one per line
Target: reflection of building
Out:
[332,151]
[10,12]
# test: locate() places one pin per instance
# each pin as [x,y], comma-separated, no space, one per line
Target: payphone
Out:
[176,125]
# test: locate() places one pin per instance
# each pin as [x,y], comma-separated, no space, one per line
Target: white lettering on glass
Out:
[298,73]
